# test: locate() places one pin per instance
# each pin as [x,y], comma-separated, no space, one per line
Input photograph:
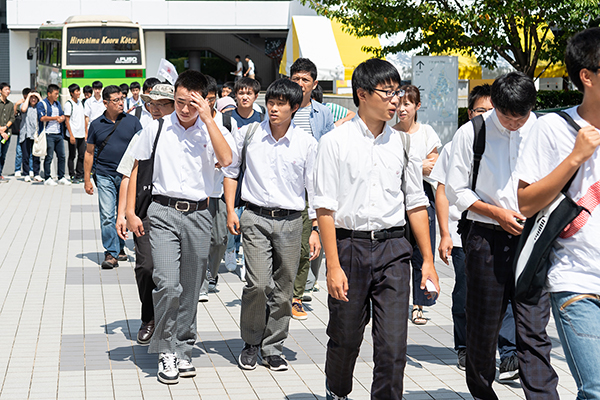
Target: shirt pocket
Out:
[391,180]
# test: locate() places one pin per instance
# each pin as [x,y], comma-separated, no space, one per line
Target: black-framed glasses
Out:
[391,93]
[117,101]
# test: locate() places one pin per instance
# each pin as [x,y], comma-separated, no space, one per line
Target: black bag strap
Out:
[227,120]
[103,144]
[247,139]
[160,125]
[138,112]
[571,122]
[478,147]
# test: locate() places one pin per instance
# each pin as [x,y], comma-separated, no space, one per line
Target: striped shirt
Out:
[302,119]
[337,111]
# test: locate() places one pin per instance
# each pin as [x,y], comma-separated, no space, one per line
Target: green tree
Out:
[520,31]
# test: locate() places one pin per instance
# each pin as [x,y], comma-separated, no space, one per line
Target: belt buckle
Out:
[373,235]
[272,212]
[178,202]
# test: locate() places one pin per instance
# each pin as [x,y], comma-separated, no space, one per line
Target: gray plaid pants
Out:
[180,243]
[272,252]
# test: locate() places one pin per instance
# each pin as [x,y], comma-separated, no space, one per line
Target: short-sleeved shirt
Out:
[338,112]
[251,67]
[241,121]
[110,157]
[573,261]
[94,108]
[423,142]
[240,69]
[74,110]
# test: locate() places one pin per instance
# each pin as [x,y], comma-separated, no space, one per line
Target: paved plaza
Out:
[68,328]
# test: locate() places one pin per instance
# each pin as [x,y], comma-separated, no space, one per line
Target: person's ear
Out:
[296,107]
[362,94]
[586,77]
[315,85]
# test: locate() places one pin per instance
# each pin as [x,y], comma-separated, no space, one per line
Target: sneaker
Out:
[31,174]
[307,296]
[248,356]
[122,256]
[167,368]
[109,262]
[203,298]
[18,174]
[276,363]
[462,359]
[316,287]
[212,284]
[298,311]
[329,395]
[50,182]
[186,368]
[27,178]
[64,181]
[230,261]
[243,272]
[38,178]
[509,369]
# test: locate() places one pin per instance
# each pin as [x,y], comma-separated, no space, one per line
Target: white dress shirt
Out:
[573,261]
[218,188]
[277,172]
[94,108]
[439,174]
[496,182]
[184,164]
[360,178]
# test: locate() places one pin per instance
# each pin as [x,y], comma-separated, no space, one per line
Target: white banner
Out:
[167,71]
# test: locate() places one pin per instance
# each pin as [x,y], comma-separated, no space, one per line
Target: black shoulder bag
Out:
[145,173]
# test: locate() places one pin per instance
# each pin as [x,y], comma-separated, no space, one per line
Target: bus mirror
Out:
[30,53]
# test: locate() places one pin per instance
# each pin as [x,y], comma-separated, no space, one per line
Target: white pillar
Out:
[19,64]
[155,50]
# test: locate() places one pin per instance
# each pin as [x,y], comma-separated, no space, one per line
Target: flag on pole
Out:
[167,71]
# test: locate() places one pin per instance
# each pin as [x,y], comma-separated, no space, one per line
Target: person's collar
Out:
[289,134]
[175,121]
[364,129]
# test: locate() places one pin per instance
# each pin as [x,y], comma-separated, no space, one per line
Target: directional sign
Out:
[437,79]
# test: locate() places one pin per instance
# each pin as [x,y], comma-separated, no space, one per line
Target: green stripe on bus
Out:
[99,74]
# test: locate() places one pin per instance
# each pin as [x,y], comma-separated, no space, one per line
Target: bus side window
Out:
[54,54]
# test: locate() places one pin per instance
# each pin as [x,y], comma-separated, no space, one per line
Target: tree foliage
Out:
[520,31]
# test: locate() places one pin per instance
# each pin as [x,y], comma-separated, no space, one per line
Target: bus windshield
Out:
[103,45]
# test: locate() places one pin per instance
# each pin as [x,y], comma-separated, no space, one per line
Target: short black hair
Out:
[97,85]
[317,94]
[110,89]
[247,83]
[3,85]
[285,89]
[238,57]
[192,81]
[304,65]
[368,74]
[247,56]
[479,92]
[51,88]
[73,87]
[135,85]
[583,52]
[124,88]
[25,91]
[230,85]
[211,87]
[514,94]
[87,89]
[149,84]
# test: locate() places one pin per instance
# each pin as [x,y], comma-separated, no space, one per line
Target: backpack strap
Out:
[247,139]
[138,112]
[227,120]
[478,147]
[571,122]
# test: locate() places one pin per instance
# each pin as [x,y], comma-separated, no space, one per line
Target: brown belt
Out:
[577,298]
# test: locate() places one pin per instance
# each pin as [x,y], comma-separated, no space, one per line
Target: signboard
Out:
[103,46]
[437,80]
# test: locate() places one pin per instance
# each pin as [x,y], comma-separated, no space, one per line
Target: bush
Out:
[549,99]
[463,116]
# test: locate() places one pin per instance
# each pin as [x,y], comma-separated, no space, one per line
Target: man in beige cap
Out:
[158,103]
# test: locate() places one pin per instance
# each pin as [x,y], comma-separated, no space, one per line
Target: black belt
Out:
[271,212]
[395,232]
[180,204]
[492,227]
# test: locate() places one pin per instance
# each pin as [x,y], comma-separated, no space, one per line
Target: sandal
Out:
[418,319]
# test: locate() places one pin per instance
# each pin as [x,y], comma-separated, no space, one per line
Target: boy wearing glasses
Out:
[111,133]
[363,190]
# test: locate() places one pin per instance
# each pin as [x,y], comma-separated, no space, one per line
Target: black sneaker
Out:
[509,369]
[248,356]
[462,359]
[276,363]
[109,262]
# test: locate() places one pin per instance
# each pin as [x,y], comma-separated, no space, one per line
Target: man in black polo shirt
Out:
[111,133]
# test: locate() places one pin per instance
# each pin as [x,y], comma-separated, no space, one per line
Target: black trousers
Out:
[76,150]
[143,271]
[490,284]
[26,148]
[378,275]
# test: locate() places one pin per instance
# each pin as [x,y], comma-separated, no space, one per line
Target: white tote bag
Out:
[39,140]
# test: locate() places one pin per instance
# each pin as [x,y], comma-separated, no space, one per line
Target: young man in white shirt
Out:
[75,124]
[363,190]
[279,168]
[189,145]
[492,241]
[239,68]
[135,100]
[94,106]
[552,155]
[250,73]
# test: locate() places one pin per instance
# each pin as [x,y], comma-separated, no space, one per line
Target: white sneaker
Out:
[243,272]
[186,368]
[64,181]
[38,178]
[230,261]
[18,174]
[167,368]
[203,298]
[50,182]
[31,174]
[27,178]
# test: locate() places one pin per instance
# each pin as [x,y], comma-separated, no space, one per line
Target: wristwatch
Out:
[315,229]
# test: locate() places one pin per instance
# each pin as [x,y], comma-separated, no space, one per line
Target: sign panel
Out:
[437,80]
[103,46]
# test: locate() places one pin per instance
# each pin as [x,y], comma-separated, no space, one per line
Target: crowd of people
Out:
[190,168]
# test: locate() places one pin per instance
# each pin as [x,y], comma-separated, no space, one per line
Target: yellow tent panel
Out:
[350,48]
